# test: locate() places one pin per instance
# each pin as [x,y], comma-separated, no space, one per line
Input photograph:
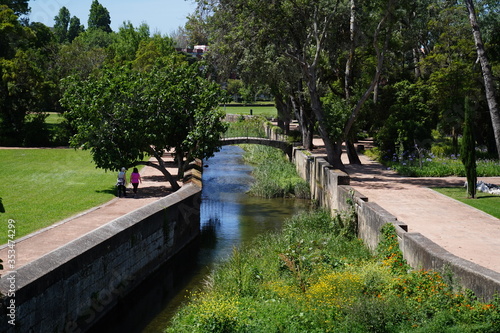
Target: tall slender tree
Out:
[489,81]
[468,153]
[99,17]
[75,28]
[61,25]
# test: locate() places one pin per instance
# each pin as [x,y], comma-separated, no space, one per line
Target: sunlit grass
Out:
[54,118]
[488,203]
[266,111]
[426,164]
[252,127]
[44,186]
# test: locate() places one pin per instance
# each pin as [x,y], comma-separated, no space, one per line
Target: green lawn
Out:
[54,118]
[488,203]
[44,186]
[266,111]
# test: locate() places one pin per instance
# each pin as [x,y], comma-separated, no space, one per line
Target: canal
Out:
[229,218]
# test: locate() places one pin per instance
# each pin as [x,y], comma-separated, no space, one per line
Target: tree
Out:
[85,55]
[24,85]
[196,29]
[61,25]
[75,28]
[123,115]
[298,30]
[19,7]
[12,34]
[468,153]
[151,50]
[489,80]
[180,38]
[99,17]
[127,41]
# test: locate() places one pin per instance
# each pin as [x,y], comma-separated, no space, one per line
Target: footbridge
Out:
[283,145]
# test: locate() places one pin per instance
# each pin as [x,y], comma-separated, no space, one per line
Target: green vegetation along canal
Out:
[229,218]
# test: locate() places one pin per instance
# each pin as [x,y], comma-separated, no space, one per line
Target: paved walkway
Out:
[460,229]
[29,248]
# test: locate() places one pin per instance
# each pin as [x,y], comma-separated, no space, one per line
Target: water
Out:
[229,218]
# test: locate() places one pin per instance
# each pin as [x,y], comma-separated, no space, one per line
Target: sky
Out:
[163,16]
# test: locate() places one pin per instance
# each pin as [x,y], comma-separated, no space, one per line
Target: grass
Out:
[488,203]
[54,118]
[428,165]
[44,186]
[314,278]
[276,179]
[266,111]
[252,127]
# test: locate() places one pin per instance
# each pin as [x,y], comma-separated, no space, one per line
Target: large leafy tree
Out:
[123,115]
[319,38]
[25,86]
[127,41]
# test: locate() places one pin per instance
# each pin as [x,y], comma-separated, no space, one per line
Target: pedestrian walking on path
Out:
[135,179]
[121,182]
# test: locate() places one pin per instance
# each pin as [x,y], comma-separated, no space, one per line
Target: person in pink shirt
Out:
[135,179]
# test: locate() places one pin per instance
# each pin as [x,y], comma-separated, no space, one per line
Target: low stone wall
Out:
[330,188]
[71,288]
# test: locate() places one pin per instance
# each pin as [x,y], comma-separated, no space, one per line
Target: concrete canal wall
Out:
[71,288]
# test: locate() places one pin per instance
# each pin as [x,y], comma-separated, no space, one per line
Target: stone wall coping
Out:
[36,269]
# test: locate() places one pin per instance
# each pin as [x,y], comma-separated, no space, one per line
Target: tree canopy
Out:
[123,115]
[396,71]
[99,17]
[19,7]
[347,66]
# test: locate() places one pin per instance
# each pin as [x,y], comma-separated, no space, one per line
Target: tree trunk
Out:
[376,76]
[489,84]
[352,153]
[161,167]
[416,60]
[283,114]
[348,81]
[305,121]
[333,153]
[468,153]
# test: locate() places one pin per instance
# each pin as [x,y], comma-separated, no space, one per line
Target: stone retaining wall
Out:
[71,288]
[330,188]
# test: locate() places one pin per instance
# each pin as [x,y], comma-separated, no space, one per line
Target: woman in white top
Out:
[121,182]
